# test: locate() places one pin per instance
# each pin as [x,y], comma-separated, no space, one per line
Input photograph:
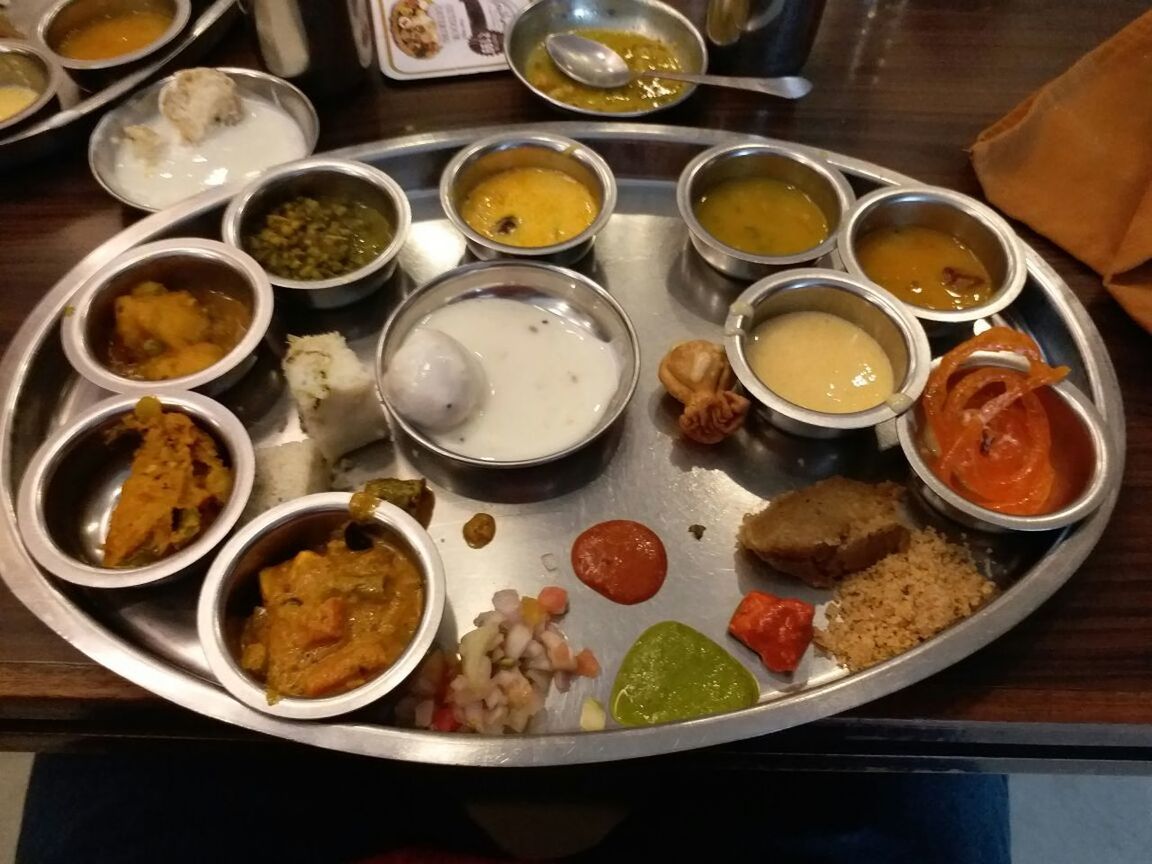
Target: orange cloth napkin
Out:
[1074,161]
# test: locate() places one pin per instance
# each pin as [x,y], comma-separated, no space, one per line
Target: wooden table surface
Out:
[904,83]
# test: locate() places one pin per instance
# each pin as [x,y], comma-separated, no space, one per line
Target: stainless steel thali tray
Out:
[644,472]
[210,19]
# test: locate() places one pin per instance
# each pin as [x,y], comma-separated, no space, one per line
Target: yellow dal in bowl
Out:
[925,267]
[114,35]
[762,216]
[14,98]
[640,53]
[529,207]
[821,362]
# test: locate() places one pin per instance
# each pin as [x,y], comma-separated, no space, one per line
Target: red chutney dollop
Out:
[623,560]
[779,629]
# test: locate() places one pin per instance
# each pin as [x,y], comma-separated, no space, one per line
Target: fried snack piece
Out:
[177,486]
[697,374]
[832,528]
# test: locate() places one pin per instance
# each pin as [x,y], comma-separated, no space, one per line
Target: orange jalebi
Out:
[990,434]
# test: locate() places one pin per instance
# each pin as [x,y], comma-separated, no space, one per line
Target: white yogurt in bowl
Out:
[266,136]
[548,380]
[149,159]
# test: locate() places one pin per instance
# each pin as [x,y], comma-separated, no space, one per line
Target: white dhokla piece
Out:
[335,394]
[286,472]
[198,100]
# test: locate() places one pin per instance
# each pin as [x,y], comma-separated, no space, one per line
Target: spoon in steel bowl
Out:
[595,64]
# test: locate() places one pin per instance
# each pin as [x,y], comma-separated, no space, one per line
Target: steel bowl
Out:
[23,64]
[231,592]
[1076,424]
[650,18]
[975,225]
[324,176]
[143,108]
[826,186]
[489,156]
[876,311]
[65,501]
[563,292]
[66,15]
[90,320]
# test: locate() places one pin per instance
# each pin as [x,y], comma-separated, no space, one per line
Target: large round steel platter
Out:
[644,472]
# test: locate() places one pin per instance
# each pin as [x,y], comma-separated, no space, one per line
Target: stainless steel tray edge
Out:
[87,635]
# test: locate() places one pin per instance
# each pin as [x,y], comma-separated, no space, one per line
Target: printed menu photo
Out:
[438,38]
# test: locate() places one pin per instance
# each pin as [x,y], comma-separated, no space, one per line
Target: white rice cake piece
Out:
[286,472]
[198,100]
[335,394]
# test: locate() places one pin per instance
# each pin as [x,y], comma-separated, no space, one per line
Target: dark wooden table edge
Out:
[837,744]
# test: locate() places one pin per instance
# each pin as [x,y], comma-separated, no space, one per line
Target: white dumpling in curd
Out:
[433,381]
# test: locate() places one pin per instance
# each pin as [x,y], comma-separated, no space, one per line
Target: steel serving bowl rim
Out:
[209,415]
[506,141]
[624,390]
[662,8]
[1014,279]
[1037,583]
[845,197]
[182,12]
[82,357]
[236,210]
[1104,476]
[214,594]
[915,341]
[51,85]
[101,133]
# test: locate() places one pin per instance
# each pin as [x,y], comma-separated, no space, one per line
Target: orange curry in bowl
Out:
[333,619]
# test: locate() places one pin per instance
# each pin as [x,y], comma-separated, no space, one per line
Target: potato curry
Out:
[162,334]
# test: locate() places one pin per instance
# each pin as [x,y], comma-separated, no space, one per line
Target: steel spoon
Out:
[595,64]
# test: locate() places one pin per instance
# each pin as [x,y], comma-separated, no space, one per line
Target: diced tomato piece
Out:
[554,600]
[778,629]
[444,719]
[587,665]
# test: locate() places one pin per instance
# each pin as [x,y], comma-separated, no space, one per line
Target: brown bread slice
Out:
[828,530]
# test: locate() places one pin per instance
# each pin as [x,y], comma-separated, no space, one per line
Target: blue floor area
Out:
[1055,819]
[1074,819]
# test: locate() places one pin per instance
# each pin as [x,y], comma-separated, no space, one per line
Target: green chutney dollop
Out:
[673,672]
